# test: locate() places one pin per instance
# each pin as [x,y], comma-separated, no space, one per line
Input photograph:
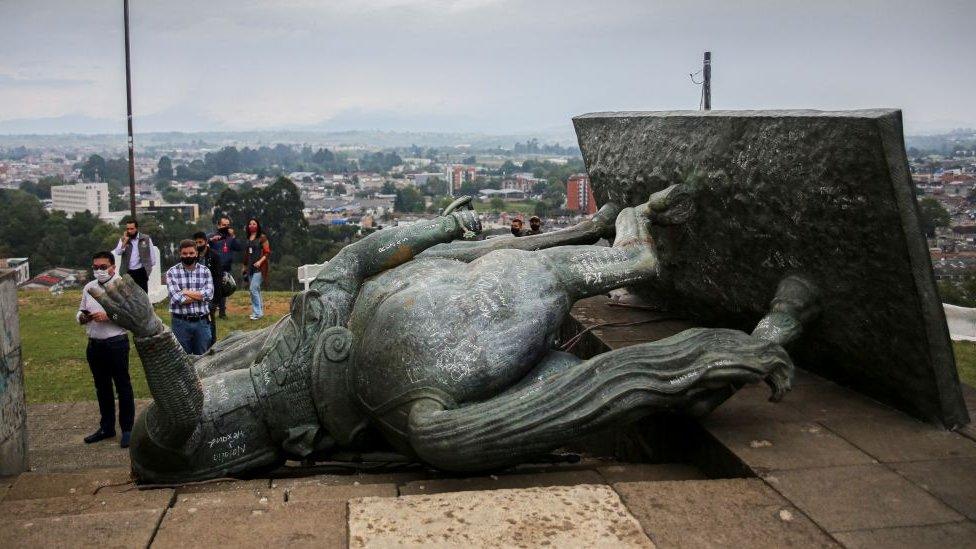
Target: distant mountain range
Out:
[349,129]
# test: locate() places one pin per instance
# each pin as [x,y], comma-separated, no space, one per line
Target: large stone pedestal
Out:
[13,410]
[823,195]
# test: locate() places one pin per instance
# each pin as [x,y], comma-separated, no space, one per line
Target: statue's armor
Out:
[451,332]
[252,416]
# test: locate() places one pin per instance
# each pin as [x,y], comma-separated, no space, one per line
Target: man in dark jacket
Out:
[224,244]
[211,260]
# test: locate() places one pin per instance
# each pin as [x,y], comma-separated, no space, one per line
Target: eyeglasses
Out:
[100,267]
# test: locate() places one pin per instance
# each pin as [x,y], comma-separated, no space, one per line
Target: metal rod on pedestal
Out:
[128,105]
[707,82]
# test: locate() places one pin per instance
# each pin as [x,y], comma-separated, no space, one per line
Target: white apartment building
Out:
[73,199]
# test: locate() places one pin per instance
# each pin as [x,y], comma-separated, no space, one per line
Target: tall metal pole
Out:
[128,105]
[707,84]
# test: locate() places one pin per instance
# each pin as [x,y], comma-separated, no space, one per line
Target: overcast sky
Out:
[491,66]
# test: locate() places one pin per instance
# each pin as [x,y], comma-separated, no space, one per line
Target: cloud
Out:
[7,80]
[506,64]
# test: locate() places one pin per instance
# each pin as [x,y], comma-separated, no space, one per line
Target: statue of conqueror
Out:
[446,355]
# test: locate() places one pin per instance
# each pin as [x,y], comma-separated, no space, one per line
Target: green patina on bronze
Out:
[445,350]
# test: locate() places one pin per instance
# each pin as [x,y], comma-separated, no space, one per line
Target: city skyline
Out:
[491,66]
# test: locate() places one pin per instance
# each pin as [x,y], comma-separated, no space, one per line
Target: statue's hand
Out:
[606,219]
[671,206]
[468,222]
[128,306]
[737,368]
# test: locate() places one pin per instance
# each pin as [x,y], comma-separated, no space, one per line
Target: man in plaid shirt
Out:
[191,289]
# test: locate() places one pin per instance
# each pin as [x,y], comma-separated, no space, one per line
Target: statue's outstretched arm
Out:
[601,225]
[339,281]
[666,207]
[170,374]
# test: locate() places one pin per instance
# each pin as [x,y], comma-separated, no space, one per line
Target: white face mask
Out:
[103,276]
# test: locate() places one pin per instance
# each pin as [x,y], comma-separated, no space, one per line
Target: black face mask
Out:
[200,249]
[516,231]
[188,260]
[224,230]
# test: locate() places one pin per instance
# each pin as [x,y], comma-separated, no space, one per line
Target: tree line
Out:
[52,239]
[275,160]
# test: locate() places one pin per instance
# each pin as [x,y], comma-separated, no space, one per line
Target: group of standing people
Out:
[535,226]
[198,287]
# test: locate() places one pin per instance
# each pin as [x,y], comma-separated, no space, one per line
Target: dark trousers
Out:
[141,278]
[213,324]
[220,302]
[108,360]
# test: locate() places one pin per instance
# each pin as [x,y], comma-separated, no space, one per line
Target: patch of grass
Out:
[53,344]
[965,361]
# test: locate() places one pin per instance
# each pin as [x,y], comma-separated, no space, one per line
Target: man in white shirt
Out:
[136,251]
[108,357]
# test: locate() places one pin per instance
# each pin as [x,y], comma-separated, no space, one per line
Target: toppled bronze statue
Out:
[447,355]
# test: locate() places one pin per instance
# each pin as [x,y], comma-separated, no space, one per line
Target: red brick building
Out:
[579,195]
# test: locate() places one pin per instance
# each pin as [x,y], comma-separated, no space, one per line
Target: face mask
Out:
[103,276]
[535,227]
[516,231]
[252,230]
[188,260]
[200,249]
[224,230]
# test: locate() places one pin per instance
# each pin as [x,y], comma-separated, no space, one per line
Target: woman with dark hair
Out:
[255,270]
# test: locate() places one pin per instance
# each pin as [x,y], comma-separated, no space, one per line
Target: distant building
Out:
[421,179]
[579,195]
[459,175]
[19,264]
[523,182]
[72,199]
[59,277]
[191,212]
[506,194]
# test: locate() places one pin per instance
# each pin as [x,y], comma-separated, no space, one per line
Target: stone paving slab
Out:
[44,409]
[496,482]
[262,498]
[635,472]
[72,454]
[901,439]
[82,504]
[719,513]
[751,405]
[773,445]
[300,494]
[48,485]
[558,516]
[821,401]
[951,480]
[956,535]
[858,497]
[56,435]
[353,479]
[118,529]
[223,486]
[311,524]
